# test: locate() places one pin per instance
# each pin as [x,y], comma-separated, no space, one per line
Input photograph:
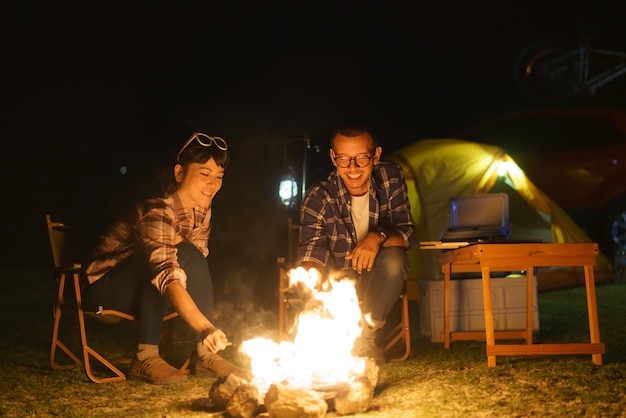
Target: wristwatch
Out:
[383,235]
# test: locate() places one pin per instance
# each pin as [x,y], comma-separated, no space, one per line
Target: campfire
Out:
[316,371]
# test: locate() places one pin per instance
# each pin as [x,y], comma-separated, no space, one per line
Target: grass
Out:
[433,382]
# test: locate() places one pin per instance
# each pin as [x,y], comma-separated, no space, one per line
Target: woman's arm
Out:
[214,339]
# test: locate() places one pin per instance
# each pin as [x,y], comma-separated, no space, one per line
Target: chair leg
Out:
[55,333]
[282,314]
[185,367]
[400,332]
[89,352]
[282,303]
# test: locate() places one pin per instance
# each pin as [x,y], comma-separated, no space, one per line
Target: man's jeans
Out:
[380,288]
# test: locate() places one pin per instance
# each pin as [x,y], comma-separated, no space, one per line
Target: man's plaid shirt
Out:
[327,232]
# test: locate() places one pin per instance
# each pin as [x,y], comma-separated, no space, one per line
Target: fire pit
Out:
[315,372]
[242,399]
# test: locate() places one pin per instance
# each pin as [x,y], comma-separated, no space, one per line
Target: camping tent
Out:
[438,169]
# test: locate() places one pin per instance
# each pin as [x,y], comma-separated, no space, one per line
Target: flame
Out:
[320,354]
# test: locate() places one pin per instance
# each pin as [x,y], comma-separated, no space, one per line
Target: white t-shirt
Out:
[360,215]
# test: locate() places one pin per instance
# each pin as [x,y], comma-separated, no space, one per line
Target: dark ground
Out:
[432,382]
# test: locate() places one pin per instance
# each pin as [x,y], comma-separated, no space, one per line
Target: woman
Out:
[154,261]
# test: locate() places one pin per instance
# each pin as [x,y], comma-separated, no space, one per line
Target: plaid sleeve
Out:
[157,231]
[400,210]
[396,210]
[312,243]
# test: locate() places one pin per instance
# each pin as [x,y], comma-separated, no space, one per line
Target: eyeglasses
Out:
[205,141]
[361,161]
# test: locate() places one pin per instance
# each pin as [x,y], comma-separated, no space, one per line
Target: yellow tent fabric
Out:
[438,169]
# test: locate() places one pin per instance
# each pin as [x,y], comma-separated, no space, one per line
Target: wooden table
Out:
[488,258]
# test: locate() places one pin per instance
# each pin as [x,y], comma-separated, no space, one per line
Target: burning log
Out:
[357,396]
[284,402]
[371,371]
[245,401]
[315,372]
[238,397]
[241,399]
[223,389]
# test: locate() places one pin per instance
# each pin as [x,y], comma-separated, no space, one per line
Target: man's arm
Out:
[312,244]
[398,225]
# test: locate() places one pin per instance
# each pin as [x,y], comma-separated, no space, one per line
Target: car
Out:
[577,156]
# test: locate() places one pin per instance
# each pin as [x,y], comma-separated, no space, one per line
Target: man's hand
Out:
[365,252]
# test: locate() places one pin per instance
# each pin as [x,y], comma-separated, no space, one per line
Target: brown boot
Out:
[154,370]
[365,346]
[217,366]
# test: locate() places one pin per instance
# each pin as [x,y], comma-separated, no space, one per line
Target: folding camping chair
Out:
[65,243]
[290,304]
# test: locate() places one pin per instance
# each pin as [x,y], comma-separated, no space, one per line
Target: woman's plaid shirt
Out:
[155,228]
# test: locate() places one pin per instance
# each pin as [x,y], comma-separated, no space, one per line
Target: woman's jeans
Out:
[127,288]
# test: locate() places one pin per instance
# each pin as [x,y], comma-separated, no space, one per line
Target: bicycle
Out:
[546,70]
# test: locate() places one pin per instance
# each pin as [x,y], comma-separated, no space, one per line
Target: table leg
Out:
[488,307]
[592,309]
[447,267]
[530,293]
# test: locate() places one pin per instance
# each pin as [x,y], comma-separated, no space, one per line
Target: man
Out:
[358,221]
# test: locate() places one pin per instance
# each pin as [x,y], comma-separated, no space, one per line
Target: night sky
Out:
[90,87]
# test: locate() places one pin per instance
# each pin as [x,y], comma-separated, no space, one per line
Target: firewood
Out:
[284,402]
[355,397]
[245,401]
[222,390]
[371,371]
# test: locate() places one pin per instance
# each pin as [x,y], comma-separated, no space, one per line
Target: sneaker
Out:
[154,370]
[365,346]
[217,366]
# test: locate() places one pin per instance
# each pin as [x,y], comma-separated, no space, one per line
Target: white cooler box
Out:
[508,295]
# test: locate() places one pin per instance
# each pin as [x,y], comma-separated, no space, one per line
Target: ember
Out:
[294,376]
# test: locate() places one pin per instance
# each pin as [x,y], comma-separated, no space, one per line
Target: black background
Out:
[90,87]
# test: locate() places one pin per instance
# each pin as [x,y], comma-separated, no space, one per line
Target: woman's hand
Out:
[214,339]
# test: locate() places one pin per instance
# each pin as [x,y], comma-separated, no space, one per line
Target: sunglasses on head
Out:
[205,141]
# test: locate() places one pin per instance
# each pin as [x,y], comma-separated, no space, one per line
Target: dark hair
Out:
[197,153]
[352,131]
[194,152]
